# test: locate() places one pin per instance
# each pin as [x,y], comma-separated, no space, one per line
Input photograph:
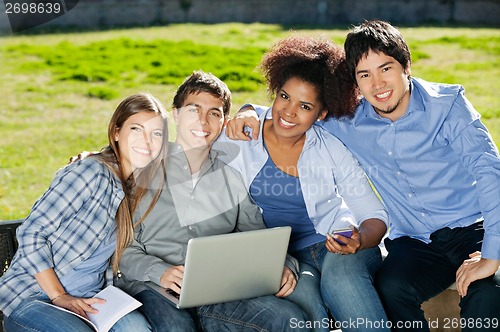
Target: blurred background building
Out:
[122,13]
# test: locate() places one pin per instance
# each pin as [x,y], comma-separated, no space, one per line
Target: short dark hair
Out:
[377,36]
[199,81]
[315,60]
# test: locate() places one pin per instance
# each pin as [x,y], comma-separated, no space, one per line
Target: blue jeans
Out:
[265,313]
[163,315]
[342,283]
[414,271]
[30,315]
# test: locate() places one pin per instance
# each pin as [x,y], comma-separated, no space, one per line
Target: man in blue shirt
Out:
[437,170]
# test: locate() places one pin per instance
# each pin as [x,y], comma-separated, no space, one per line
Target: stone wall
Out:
[96,13]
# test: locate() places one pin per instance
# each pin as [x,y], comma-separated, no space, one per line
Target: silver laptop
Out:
[228,267]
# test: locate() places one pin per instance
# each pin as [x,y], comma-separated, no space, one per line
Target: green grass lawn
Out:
[59,90]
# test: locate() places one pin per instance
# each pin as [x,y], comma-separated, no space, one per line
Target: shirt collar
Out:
[365,109]
[176,152]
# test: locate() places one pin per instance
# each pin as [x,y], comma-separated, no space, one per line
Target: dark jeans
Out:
[414,271]
[263,314]
[344,284]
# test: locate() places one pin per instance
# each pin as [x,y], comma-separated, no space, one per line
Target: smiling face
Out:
[199,121]
[295,108]
[139,139]
[384,83]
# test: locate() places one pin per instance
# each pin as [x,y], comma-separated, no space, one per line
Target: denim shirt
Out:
[435,167]
[335,189]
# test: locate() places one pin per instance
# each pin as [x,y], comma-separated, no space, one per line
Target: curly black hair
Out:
[315,60]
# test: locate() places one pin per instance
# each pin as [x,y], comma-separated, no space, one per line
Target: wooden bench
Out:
[8,246]
[443,308]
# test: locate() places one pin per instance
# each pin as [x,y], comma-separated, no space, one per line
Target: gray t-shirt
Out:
[216,203]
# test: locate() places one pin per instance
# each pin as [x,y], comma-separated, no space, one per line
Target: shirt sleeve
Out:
[470,139]
[66,195]
[259,109]
[355,189]
[137,265]
[249,216]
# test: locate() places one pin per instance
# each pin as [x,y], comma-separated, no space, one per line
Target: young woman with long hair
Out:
[82,223]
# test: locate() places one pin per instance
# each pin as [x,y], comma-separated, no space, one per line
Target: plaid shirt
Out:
[64,228]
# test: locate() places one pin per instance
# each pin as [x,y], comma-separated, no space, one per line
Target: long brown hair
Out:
[137,184]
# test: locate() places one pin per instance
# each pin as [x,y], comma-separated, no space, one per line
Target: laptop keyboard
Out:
[174,294]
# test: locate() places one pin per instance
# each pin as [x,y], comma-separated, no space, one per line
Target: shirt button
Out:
[423,214]
[185,167]
[190,228]
[410,195]
[329,201]
[389,153]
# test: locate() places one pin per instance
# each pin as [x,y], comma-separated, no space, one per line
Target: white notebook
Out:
[118,304]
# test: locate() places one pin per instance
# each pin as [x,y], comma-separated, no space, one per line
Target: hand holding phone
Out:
[347,232]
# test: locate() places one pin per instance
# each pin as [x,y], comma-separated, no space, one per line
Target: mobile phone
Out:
[347,232]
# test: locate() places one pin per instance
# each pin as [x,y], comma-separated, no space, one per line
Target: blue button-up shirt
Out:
[437,166]
[336,191]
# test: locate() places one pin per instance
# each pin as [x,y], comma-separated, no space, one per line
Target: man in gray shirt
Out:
[201,196]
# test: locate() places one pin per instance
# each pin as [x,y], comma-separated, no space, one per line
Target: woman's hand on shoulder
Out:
[82,155]
[237,127]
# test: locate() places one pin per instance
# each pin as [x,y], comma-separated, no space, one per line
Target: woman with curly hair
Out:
[302,176]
